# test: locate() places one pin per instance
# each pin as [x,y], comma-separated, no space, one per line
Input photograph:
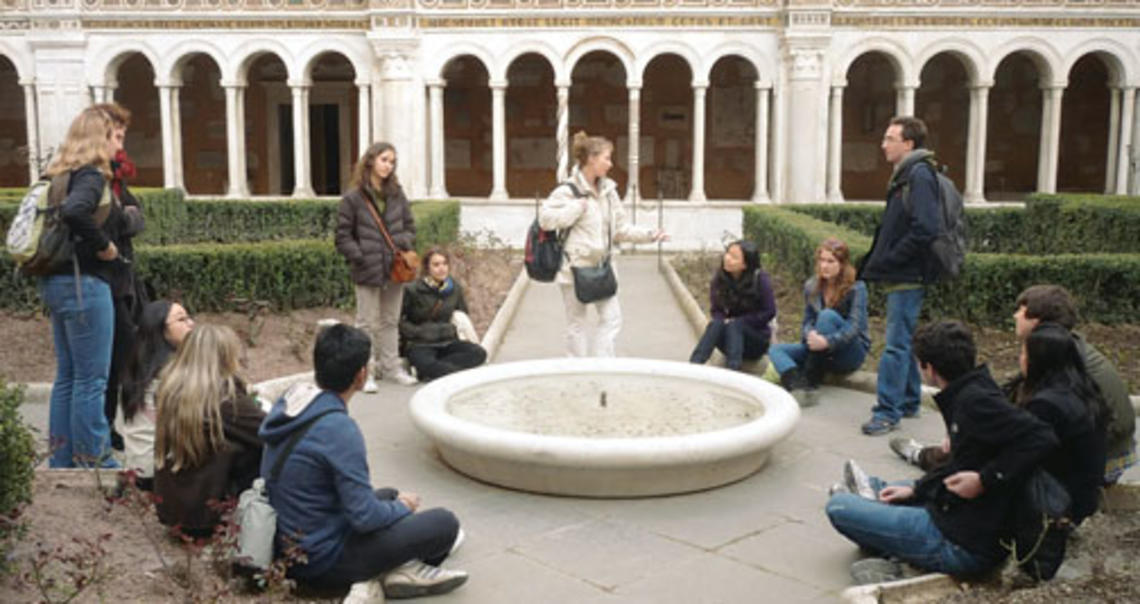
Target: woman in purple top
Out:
[742,305]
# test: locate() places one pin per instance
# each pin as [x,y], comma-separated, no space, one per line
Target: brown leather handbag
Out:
[405,263]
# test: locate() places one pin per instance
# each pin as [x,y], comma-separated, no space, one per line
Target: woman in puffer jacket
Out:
[431,341]
[360,241]
[587,211]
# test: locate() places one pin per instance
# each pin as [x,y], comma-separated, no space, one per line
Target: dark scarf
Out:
[123,168]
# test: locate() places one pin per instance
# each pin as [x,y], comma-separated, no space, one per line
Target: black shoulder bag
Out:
[594,283]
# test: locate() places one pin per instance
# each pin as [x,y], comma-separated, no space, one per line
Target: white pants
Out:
[590,339]
[378,314]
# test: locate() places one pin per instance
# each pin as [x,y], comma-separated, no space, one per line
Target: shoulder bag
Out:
[594,283]
[404,262]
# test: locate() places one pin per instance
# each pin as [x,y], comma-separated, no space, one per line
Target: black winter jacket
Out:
[85,190]
[1078,463]
[900,251]
[990,436]
[425,318]
[360,241]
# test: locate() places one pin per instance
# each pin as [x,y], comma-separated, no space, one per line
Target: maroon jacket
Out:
[360,241]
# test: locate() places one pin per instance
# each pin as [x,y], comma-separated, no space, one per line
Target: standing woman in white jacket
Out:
[587,210]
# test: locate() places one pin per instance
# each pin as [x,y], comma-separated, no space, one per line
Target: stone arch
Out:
[249,52]
[1084,136]
[1120,61]
[968,54]
[467,127]
[20,59]
[870,99]
[101,71]
[671,47]
[334,119]
[895,53]
[763,64]
[542,49]
[942,100]
[1014,122]
[606,44]
[452,52]
[599,86]
[200,115]
[1044,57]
[176,58]
[531,123]
[730,136]
[666,128]
[310,55]
[15,152]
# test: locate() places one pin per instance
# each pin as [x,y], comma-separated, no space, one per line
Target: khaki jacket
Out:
[585,243]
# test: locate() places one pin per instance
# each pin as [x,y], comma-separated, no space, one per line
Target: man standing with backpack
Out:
[901,259]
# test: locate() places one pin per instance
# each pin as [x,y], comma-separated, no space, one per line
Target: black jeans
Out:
[426,536]
[733,338]
[437,361]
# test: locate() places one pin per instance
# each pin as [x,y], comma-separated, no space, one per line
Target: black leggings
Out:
[437,361]
[426,536]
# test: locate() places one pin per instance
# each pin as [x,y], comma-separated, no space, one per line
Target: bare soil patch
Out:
[996,346]
[277,343]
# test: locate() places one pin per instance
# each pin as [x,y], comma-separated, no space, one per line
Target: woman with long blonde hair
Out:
[78,293]
[206,444]
[376,193]
[834,333]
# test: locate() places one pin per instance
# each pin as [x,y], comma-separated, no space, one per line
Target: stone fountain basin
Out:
[607,465]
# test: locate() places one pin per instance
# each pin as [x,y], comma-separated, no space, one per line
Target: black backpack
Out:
[1041,525]
[544,248]
[949,247]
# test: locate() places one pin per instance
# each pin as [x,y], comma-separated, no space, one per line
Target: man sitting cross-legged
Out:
[350,534]
[951,519]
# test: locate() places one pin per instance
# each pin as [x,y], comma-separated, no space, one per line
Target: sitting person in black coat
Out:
[431,340]
[1057,389]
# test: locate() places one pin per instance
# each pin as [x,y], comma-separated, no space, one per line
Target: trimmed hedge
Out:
[1107,286]
[210,276]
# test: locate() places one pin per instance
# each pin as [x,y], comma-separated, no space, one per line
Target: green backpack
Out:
[38,239]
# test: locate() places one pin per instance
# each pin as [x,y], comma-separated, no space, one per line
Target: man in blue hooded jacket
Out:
[350,534]
[900,259]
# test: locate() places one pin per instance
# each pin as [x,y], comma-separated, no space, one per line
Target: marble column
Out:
[176,128]
[760,189]
[802,127]
[976,147]
[165,115]
[1113,140]
[1134,184]
[498,140]
[1127,109]
[633,189]
[698,190]
[235,141]
[32,126]
[363,118]
[835,146]
[562,134]
[302,177]
[1050,139]
[904,101]
[438,187]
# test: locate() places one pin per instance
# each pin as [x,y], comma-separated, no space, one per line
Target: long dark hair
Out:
[362,172]
[150,353]
[1054,359]
[739,294]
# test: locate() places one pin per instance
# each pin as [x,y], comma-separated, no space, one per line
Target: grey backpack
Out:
[949,247]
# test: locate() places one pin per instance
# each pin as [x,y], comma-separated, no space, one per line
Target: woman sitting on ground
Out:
[1058,390]
[834,334]
[206,443]
[742,306]
[162,327]
[431,339]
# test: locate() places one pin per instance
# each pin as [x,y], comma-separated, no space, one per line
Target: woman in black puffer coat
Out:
[431,341]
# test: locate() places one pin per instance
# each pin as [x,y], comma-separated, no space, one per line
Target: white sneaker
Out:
[401,377]
[460,537]
[415,579]
[370,386]
[365,592]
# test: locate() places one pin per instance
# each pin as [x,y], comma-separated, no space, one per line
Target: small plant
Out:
[62,573]
[17,467]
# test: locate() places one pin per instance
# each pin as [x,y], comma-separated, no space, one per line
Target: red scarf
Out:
[124,168]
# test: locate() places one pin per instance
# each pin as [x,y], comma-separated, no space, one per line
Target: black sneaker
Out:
[877,426]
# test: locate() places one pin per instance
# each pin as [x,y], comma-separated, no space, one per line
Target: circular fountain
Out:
[604,427]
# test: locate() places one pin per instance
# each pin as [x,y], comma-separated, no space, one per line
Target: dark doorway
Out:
[285,138]
[324,148]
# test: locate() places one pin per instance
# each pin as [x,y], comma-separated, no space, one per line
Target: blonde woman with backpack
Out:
[588,210]
[78,293]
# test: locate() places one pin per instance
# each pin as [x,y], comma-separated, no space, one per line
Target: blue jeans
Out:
[900,385]
[906,532]
[82,333]
[734,339]
[841,359]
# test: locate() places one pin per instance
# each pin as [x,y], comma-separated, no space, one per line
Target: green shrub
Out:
[1107,286]
[1083,223]
[17,465]
[294,273]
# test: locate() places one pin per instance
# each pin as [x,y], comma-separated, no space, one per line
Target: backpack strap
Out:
[293,440]
[906,185]
[578,194]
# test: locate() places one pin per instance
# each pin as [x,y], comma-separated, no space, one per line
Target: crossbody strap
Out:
[379,223]
[292,443]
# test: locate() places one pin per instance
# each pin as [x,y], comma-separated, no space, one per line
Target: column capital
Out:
[981,86]
[27,82]
[563,85]
[234,83]
[762,85]
[497,84]
[436,83]
[296,85]
[700,84]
